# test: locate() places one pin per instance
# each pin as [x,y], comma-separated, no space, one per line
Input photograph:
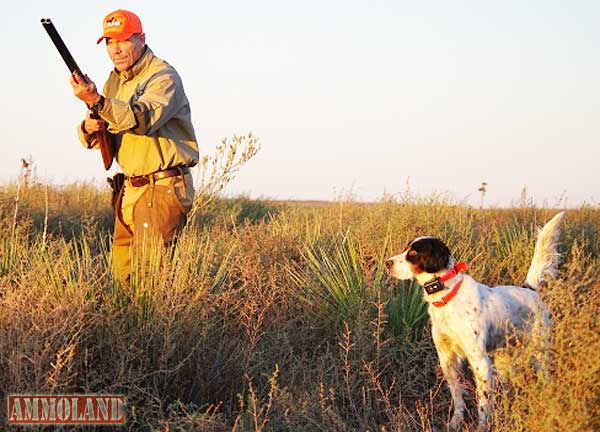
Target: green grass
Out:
[279,316]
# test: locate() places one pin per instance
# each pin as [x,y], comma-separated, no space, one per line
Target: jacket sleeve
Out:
[155,102]
[89,141]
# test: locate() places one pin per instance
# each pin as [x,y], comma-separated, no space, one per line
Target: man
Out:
[146,111]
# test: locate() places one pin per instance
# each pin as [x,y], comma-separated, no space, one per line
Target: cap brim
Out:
[117,36]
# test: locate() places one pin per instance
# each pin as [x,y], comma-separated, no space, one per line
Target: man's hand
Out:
[84,89]
[91,125]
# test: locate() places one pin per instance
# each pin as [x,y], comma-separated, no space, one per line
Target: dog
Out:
[470,320]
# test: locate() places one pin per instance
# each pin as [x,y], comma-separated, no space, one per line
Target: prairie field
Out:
[279,316]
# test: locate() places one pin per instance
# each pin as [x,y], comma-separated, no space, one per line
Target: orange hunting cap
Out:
[121,25]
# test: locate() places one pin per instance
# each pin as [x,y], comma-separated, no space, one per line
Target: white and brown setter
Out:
[469,320]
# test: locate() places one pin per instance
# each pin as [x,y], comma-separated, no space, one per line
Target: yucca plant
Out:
[332,283]
[404,306]
[406,311]
[63,270]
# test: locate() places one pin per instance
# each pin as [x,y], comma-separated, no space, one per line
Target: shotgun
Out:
[103,137]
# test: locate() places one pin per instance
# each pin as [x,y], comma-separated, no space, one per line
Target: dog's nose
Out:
[389,263]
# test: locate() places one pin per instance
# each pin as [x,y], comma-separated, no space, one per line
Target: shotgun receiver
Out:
[103,137]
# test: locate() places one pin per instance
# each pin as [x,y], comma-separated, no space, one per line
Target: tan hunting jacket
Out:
[149,116]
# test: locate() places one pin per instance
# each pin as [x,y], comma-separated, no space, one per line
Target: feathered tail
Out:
[545,257]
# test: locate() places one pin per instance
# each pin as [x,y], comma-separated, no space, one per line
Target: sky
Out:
[360,99]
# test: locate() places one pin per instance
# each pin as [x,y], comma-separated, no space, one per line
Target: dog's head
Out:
[421,255]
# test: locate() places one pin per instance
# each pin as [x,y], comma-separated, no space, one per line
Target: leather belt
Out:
[139,181]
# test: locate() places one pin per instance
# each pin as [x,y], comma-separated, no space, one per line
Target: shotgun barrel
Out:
[103,137]
[60,46]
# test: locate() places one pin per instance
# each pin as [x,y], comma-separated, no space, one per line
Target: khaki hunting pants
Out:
[150,214]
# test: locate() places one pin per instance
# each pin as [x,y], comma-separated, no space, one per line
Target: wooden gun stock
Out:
[103,137]
[105,143]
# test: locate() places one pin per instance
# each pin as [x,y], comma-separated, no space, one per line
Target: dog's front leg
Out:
[483,373]
[450,362]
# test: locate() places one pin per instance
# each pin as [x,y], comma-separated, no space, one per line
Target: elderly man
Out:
[145,109]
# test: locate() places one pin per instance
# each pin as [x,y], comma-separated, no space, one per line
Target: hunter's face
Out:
[124,54]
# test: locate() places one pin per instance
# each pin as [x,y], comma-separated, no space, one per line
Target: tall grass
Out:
[279,316]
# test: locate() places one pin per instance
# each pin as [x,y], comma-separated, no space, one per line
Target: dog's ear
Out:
[429,254]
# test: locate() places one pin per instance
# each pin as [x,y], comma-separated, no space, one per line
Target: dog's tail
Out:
[545,257]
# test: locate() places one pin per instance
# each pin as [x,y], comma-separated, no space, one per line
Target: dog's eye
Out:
[411,252]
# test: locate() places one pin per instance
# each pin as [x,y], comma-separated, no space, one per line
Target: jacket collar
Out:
[139,65]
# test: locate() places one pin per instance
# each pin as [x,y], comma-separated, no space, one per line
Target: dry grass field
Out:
[279,317]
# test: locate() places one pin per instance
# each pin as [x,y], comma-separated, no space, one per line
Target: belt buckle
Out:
[139,181]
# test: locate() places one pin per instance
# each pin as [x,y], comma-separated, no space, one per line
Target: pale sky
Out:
[348,97]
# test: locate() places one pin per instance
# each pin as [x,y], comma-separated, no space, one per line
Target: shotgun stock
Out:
[103,137]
